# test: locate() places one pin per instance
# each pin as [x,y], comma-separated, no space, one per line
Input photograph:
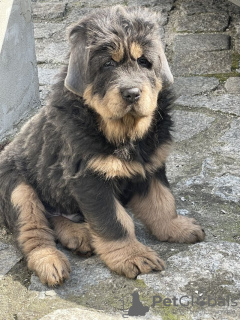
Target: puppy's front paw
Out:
[131,259]
[184,230]
[50,264]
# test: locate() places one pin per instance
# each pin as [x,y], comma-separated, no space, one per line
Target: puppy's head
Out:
[117,64]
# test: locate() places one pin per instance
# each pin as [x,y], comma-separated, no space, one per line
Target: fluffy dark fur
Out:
[98,146]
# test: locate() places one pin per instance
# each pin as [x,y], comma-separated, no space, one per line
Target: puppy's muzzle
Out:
[131,95]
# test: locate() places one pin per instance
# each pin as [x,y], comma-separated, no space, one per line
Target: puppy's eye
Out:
[143,62]
[110,64]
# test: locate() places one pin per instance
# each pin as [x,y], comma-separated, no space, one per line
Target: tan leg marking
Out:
[36,239]
[127,257]
[74,236]
[157,211]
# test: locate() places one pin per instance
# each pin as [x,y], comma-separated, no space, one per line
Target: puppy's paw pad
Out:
[51,266]
[133,260]
[142,264]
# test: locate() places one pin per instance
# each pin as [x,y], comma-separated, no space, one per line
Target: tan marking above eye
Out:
[136,50]
[118,53]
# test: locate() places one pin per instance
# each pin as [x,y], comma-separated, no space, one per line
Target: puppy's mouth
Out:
[133,110]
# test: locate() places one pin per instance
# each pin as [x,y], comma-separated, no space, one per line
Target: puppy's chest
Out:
[128,161]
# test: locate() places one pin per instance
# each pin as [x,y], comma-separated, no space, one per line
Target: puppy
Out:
[97,148]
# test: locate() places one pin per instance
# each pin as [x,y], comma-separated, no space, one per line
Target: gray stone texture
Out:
[47,76]
[201,54]
[237,40]
[18,68]
[49,30]
[227,103]
[51,52]
[201,42]
[203,22]
[198,276]
[231,139]
[232,85]
[194,85]
[9,256]
[79,313]
[188,124]
[206,6]
[163,5]
[51,10]
[200,62]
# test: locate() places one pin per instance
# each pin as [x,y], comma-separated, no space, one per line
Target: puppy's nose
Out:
[131,94]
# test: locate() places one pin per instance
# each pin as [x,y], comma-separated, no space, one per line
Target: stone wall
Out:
[19,93]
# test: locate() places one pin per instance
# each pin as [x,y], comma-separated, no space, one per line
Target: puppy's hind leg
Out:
[74,236]
[36,239]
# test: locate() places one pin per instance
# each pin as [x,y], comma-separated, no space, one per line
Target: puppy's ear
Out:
[166,74]
[76,78]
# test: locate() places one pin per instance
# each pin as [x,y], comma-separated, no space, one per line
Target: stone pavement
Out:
[202,281]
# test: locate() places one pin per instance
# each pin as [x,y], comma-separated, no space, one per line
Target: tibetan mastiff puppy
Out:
[96,150]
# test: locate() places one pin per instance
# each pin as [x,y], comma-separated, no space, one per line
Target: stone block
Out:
[164,5]
[204,6]
[203,22]
[201,42]
[51,52]
[200,62]
[49,30]
[232,140]
[46,75]
[9,256]
[227,103]
[232,85]
[49,10]
[188,124]
[194,85]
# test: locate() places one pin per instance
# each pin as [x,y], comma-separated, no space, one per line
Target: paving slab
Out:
[237,40]
[49,10]
[205,6]
[47,76]
[203,22]
[49,29]
[194,85]
[232,85]
[51,52]
[201,42]
[200,62]
[84,314]
[9,256]
[231,139]
[163,5]
[227,103]
[188,124]
[201,278]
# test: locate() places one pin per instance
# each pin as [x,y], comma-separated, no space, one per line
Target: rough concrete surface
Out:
[201,281]
[19,94]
